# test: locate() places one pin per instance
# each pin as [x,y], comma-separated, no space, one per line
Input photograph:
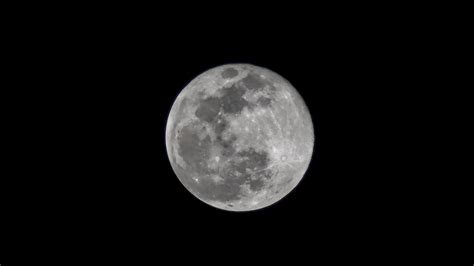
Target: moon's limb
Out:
[250,137]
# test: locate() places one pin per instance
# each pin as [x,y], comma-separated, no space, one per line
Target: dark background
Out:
[103,89]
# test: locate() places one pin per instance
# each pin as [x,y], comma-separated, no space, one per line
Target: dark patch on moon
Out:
[254,160]
[208,109]
[242,164]
[264,101]
[220,125]
[229,190]
[253,81]
[229,73]
[267,174]
[226,145]
[256,184]
[194,151]
[235,174]
[232,101]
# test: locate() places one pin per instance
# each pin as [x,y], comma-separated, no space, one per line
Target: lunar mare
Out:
[239,137]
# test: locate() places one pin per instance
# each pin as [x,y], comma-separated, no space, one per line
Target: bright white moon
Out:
[239,137]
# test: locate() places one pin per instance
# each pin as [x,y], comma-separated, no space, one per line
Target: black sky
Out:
[107,87]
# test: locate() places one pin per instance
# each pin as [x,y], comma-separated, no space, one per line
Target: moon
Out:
[239,137]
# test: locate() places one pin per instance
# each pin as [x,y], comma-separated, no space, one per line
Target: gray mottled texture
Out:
[239,137]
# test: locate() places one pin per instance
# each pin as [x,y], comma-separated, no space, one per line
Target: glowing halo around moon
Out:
[239,137]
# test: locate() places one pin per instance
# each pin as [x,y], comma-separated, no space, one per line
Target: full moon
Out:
[239,137]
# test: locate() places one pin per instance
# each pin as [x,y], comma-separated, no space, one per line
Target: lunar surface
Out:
[239,137]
